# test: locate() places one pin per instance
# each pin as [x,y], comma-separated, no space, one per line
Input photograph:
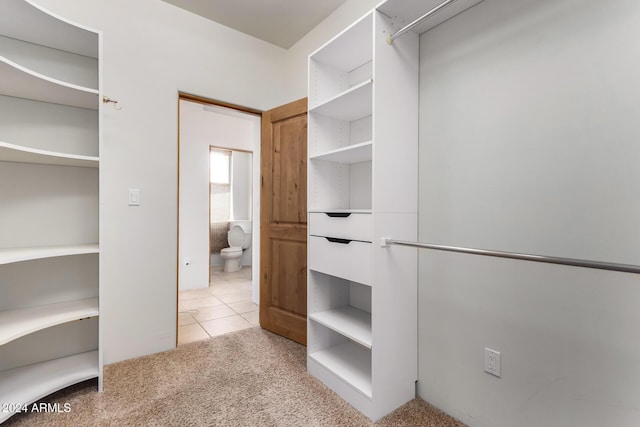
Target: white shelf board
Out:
[46,28]
[349,321]
[350,49]
[352,104]
[349,361]
[20,322]
[8,256]
[356,153]
[28,384]
[21,82]
[406,11]
[16,153]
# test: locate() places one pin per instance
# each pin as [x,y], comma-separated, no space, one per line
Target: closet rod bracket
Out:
[430,13]
[107,100]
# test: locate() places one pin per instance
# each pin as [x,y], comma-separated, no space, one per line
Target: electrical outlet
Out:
[134,197]
[492,362]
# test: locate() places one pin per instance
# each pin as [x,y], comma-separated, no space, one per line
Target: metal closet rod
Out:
[392,37]
[599,265]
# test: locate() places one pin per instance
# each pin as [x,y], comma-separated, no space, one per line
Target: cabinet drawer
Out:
[351,261]
[354,226]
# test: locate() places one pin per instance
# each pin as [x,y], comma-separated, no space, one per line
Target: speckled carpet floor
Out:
[246,378]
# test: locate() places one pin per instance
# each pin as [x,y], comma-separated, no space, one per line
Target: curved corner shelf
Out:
[356,153]
[27,384]
[46,28]
[352,104]
[21,82]
[21,154]
[9,256]
[348,321]
[24,321]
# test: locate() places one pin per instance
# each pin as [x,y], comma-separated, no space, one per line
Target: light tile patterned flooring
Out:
[225,306]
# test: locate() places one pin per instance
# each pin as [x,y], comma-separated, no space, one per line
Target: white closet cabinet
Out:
[49,201]
[362,183]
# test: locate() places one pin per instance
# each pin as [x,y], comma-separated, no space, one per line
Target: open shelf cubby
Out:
[23,321]
[26,384]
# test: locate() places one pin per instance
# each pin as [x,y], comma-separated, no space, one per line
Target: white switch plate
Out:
[134,197]
[492,362]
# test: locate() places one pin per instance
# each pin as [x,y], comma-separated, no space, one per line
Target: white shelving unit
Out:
[23,321]
[30,383]
[362,183]
[11,255]
[356,153]
[352,323]
[349,362]
[352,104]
[18,154]
[22,82]
[362,329]
[49,152]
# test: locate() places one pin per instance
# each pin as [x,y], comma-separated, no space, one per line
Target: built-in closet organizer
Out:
[362,328]
[362,184]
[49,203]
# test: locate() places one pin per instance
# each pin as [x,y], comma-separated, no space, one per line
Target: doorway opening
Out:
[218,237]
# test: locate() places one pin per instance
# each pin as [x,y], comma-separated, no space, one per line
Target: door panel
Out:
[290,171]
[283,211]
[288,257]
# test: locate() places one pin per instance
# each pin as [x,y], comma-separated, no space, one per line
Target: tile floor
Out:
[225,306]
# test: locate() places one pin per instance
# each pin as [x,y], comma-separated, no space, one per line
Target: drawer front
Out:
[355,226]
[351,261]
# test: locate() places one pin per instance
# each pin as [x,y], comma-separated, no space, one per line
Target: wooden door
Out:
[283,223]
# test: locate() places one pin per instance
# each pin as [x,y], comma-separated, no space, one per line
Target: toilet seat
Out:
[231,251]
[235,237]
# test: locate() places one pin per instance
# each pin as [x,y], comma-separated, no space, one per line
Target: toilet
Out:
[239,238]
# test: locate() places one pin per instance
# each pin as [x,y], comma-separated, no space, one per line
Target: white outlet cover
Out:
[134,197]
[492,362]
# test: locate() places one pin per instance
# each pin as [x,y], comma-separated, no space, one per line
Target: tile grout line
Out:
[223,303]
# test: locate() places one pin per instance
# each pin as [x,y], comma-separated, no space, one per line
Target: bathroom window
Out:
[220,170]
[220,197]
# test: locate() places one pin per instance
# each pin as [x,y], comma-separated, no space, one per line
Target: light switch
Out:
[134,197]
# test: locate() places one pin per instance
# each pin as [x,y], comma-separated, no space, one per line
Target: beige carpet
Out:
[246,378]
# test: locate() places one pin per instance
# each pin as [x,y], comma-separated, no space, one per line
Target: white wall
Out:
[241,183]
[528,124]
[152,50]
[200,129]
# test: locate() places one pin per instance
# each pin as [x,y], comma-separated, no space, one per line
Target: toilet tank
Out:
[246,226]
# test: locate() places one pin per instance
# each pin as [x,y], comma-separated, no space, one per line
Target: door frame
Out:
[206,101]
